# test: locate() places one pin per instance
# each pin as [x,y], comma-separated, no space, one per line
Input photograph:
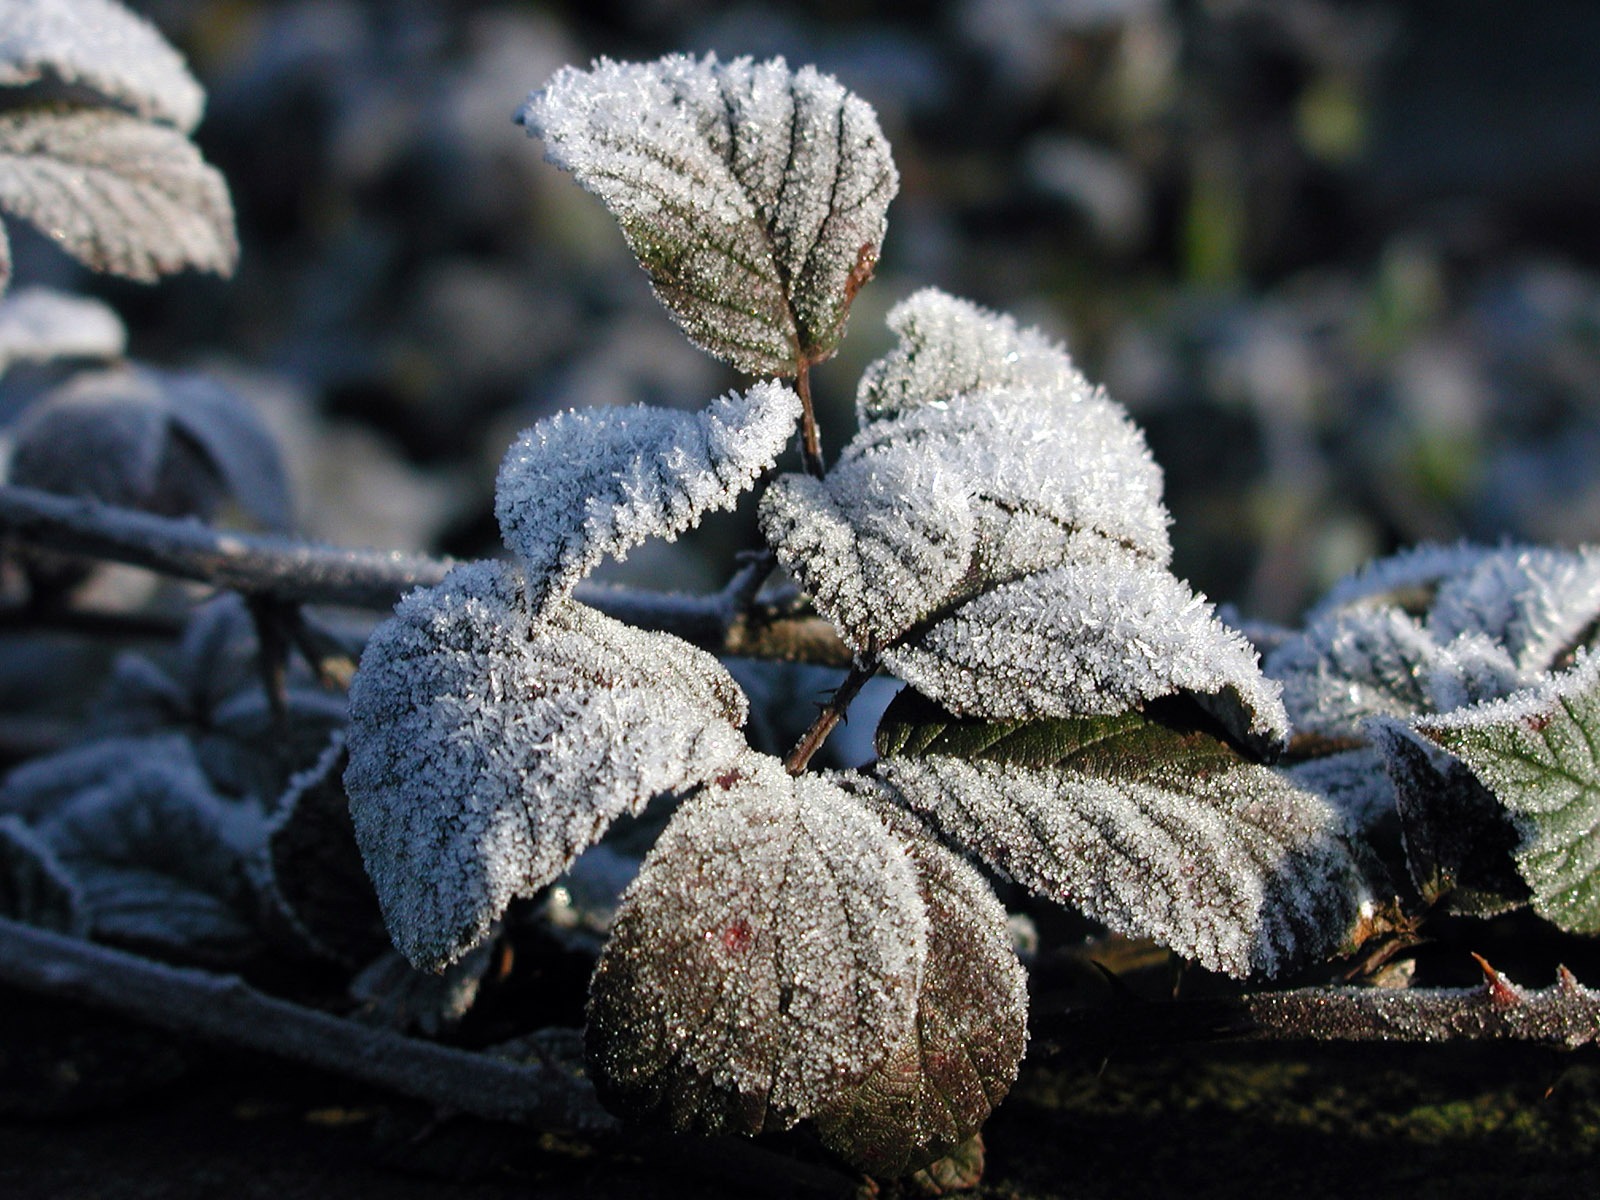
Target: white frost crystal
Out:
[769,953]
[580,486]
[488,749]
[995,534]
[752,194]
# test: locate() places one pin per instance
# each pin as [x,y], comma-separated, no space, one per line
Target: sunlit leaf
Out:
[102,46]
[1536,753]
[752,194]
[488,748]
[119,194]
[1157,831]
[581,486]
[769,954]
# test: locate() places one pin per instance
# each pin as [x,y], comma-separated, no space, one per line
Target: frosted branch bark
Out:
[294,571]
[227,1010]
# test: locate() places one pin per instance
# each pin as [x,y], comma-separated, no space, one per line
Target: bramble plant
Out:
[794,945]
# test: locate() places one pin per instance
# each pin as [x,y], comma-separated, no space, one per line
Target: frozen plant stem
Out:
[832,713]
[810,439]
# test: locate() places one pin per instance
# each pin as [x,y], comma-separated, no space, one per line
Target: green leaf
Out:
[1538,752]
[1157,829]
[752,194]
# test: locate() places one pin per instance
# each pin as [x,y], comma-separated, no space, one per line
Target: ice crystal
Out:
[102,46]
[116,192]
[580,486]
[1536,753]
[939,1084]
[769,953]
[752,194]
[995,534]
[38,324]
[489,748]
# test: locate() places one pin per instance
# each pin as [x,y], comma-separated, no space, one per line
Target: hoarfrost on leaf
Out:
[769,954]
[938,1086]
[119,194]
[102,46]
[1157,831]
[755,196]
[34,886]
[1535,752]
[995,535]
[579,486]
[38,324]
[488,748]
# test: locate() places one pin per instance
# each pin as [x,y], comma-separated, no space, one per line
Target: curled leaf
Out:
[752,194]
[580,486]
[769,954]
[489,748]
[100,45]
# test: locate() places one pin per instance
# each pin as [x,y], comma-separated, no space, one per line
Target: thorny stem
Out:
[296,572]
[828,719]
[810,440]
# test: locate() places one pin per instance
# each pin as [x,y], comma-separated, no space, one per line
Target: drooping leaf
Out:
[580,486]
[995,535]
[161,859]
[102,46]
[38,324]
[1157,831]
[939,1085]
[173,443]
[1459,841]
[769,954]
[752,194]
[488,748]
[34,885]
[119,194]
[1535,752]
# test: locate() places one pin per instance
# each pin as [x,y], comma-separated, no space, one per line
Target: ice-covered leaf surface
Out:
[488,749]
[1434,630]
[1535,752]
[939,1084]
[769,954]
[34,886]
[39,787]
[174,443]
[995,535]
[755,196]
[580,486]
[119,194]
[38,324]
[100,45]
[1156,831]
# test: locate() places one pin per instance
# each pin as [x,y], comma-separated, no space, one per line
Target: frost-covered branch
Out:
[294,571]
[225,1009]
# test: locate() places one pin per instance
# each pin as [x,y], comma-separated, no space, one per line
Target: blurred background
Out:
[1338,258]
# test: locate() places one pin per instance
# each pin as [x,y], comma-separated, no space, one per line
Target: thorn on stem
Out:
[1502,993]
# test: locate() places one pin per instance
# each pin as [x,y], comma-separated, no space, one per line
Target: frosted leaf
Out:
[580,486]
[167,442]
[948,347]
[1458,839]
[1155,831]
[41,786]
[488,749]
[1434,630]
[160,859]
[392,992]
[118,193]
[100,45]
[38,324]
[1354,782]
[752,194]
[769,953]
[940,1083]
[34,886]
[1103,632]
[1535,752]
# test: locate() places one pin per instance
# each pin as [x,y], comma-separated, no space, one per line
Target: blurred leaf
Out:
[34,886]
